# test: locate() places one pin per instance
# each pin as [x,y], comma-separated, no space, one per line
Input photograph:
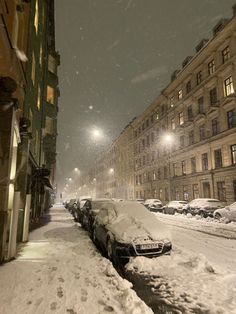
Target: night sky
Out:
[116,56]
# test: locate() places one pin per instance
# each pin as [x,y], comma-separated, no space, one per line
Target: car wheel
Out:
[202,214]
[218,216]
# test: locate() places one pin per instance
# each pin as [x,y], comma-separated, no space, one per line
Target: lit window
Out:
[211,67]
[36,17]
[51,64]
[183,167]
[50,95]
[39,97]
[172,102]
[225,54]
[173,124]
[33,69]
[228,86]
[180,94]
[233,154]
[181,118]
[41,54]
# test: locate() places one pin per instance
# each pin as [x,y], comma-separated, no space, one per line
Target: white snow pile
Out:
[60,271]
[189,283]
[208,225]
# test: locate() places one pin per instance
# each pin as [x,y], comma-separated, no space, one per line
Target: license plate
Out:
[149,246]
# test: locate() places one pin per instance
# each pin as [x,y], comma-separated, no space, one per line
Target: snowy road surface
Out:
[200,275]
[60,271]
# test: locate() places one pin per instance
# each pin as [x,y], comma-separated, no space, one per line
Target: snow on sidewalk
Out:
[60,271]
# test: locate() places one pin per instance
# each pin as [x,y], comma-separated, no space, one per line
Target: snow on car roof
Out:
[134,220]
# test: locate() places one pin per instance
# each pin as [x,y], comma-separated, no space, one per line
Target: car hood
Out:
[130,229]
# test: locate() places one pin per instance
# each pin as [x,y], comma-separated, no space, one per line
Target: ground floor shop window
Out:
[221,190]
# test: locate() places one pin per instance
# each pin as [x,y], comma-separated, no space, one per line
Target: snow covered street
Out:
[60,271]
[200,274]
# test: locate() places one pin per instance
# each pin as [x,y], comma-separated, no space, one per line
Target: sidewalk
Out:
[60,271]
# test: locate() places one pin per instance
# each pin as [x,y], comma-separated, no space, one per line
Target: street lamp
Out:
[168,140]
[111,170]
[76,169]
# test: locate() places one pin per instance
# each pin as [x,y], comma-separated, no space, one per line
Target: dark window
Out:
[193,164]
[225,54]
[233,153]
[173,123]
[213,96]
[148,140]
[159,174]
[205,161]
[183,167]
[135,133]
[218,158]
[165,172]
[195,191]
[215,126]
[190,113]
[152,137]
[143,126]
[201,104]
[188,87]
[144,160]
[143,143]
[234,187]
[211,67]
[147,123]
[199,77]
[152,118]
[181,141]
[202,132]
[221,190]
[191,137]
[175,169]
[231,118]
[185,192]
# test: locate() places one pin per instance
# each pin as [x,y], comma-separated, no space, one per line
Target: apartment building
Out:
[185,142]
[28,112]
[183,146]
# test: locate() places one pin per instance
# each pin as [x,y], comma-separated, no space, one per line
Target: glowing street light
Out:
[76,169]
[70,179]
[111,170]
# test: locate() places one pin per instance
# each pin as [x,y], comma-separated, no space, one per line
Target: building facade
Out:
[28,58]
[184,143]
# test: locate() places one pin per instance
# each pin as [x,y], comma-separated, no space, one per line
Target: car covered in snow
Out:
[125,229]
[228,212]
[174,207]
[89,210]
[79,205]
[150,201]
[204,207]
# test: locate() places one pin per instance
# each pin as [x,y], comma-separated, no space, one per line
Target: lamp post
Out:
[168,142]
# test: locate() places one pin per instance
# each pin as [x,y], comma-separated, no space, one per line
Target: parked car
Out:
[89,211]
[174,207]
[228,212]
[77,210]
[155,206]
[71,205]
[151,201]
[125,229]
[202,206]
[139,200]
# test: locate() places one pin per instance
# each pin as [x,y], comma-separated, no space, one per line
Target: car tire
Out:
[218,216]
[202,214]
[111,254]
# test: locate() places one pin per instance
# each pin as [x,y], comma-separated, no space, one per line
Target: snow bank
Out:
[189,283]
[59,270]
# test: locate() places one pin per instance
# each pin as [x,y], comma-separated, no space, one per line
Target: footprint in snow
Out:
[53,306]
[59,292]
[84,296]
[61,279]
[71,311]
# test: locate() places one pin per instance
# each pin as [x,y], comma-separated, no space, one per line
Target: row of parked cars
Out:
[121,229]
[205,207]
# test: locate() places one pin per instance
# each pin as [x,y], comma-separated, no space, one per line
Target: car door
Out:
[233,211]
[100,226]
